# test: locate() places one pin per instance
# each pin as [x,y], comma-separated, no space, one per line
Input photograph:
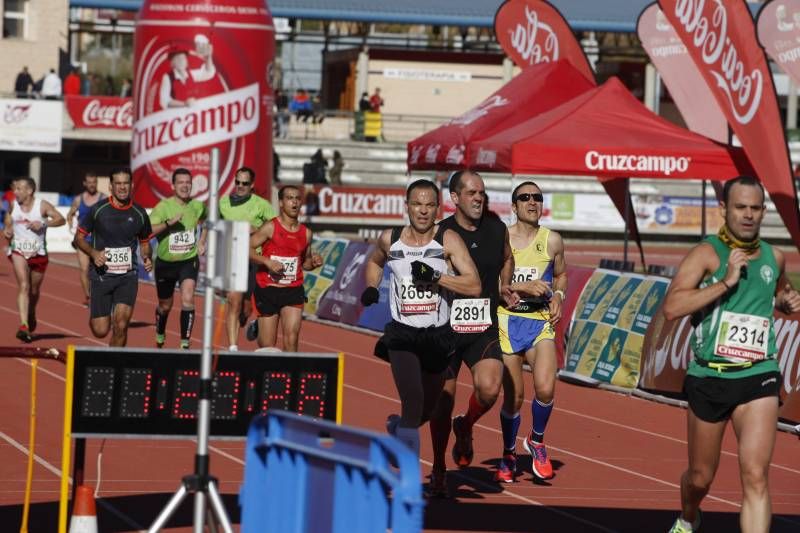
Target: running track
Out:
[617,458]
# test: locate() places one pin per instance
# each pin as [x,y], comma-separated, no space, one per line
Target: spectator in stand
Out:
[363,104]
[110,86]
[126,89]
[51,87]
[95,85]
[314,171]
[72,83]
[86,85]
[376,101]
[23,83]
[316,106]
[301,106]
[282,114]
[276,166]
[335,173]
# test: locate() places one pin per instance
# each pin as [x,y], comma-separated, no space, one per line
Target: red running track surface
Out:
[617,458]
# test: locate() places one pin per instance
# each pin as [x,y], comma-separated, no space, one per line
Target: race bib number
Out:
[470,315]
[742,337]
[28,248]
[118,260]
[289,268]
[419,297]
[524,274]
[181,242]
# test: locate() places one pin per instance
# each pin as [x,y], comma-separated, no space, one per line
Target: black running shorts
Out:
[108,290]
[433,346]
[270,300]
[714,399]
[168,273]
[473,347]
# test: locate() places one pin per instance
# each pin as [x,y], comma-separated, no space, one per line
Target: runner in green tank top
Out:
[175,221]
[243,204]
[730,285]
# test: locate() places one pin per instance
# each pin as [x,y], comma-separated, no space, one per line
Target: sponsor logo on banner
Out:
[666,165]
[341,302]
[416,74]
[357,202]
[721,40]
[486,158]
[533,31]
[494,101]
[432,152]
[100,112]
[30,126]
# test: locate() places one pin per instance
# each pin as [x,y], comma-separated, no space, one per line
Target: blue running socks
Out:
[510,426]
[541,414]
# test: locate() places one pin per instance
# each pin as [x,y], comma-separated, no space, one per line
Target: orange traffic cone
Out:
[84,514]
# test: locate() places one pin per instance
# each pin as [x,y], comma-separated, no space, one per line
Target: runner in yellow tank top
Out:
[526,331]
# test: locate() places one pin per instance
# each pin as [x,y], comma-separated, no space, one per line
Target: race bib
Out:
[524,274]
[289,268]
[118,260]
[28,248]
[419,297]
[742,337]
[470,315]
[181,242]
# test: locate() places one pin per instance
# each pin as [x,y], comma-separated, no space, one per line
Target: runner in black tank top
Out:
[474,322]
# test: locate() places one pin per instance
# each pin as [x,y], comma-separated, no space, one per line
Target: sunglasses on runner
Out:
[524,197]
[243,183]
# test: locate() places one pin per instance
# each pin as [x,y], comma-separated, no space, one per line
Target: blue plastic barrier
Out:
[308,475]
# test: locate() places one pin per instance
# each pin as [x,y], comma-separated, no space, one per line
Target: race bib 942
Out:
[181,242]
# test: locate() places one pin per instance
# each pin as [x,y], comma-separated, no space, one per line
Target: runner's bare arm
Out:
[311,259]
[73,209]
[510,297]
[8,226]
[787,299]
[147,254]
[203,240]
[377,260]
[683,296]
[257,239]
[555,246]
[53,217]
[466,282]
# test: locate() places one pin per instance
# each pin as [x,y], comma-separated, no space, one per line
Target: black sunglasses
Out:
[243,183]
[524,197]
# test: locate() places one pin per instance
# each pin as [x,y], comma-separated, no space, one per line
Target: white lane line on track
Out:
[468,386]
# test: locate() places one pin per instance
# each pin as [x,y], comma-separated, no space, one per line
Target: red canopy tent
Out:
[606,132]
[533,91]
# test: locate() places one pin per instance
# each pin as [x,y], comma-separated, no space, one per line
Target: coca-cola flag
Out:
[203,80]
[100,112]
[721,39]
[685,83]
[533,31]
[779,33]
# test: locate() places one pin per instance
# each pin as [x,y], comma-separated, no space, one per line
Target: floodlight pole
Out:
[201,483]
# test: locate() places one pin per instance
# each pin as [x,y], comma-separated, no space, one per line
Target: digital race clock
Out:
[142,392]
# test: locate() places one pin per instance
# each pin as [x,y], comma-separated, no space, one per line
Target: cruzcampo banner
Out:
[611,319]
[317,281]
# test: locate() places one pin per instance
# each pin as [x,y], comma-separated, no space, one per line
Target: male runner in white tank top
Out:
[419,339]
[25,227]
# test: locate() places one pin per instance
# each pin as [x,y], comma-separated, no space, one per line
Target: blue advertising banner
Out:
[342,301]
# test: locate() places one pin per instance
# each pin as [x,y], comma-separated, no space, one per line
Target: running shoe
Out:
[252,330]
[682,526]
[437,486]
[184,344]
[542,468]
[507,469]
[462,449]
[24,334]
[160,339]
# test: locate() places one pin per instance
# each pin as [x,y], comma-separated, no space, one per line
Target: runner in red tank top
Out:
[284,253]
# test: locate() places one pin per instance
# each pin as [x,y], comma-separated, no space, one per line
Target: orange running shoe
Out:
[507,469]
[542,468]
